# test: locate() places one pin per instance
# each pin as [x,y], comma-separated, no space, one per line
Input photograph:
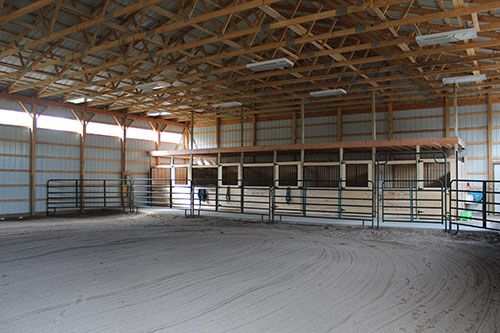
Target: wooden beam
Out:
[293,128]
[447,143]
[138,5]
[23,11]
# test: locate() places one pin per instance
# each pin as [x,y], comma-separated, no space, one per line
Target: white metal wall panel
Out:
[103,157]
[205,136]
[57,156]
[14,169]
[273,132]
[230,135]
[418,123]
[138,161]
[320,129]
[10,105]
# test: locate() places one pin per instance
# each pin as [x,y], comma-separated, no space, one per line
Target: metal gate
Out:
[408,201]
[412,187]
[473,204]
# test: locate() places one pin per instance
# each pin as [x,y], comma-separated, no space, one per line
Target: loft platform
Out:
[380,145]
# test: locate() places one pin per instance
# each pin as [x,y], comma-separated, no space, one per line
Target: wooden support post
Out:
[455,107]
[83,154]
[217,132]
[338,120]
[342,168]
[191,135]
[302,124]
[275,166]
[420,168]
[390,121]
[242,128]
[374,117]
[254,130]
[32,179]
[123,158]
[489,141]
[158,143]
[293,128]
[446,117]
[374,136]
[300,172]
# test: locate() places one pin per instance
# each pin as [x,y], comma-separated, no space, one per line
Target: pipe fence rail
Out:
[164,193]
[470,203]
[328,199]
[475,203]
[88,194]
[213,195]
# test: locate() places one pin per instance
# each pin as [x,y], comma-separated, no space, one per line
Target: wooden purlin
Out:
[408,144]
[320,40]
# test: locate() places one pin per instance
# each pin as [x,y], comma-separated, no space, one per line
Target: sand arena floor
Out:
[153,272]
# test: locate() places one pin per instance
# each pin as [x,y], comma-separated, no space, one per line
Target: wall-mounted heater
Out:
[327,93]
[446,37]
[152,85]
[270,64]
[227,105]
[464,79]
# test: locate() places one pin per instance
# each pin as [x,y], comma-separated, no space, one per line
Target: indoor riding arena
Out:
[249,166]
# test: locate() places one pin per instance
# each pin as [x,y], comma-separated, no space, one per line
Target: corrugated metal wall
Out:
[58,157]
[14,169]
[275,132]
[407,124]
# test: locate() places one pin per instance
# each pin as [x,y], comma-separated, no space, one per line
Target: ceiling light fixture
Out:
[270,64]
[446,37]
[464,79]
[227,105]
[159,113]
[326,93]
[80,100]
[152,85]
